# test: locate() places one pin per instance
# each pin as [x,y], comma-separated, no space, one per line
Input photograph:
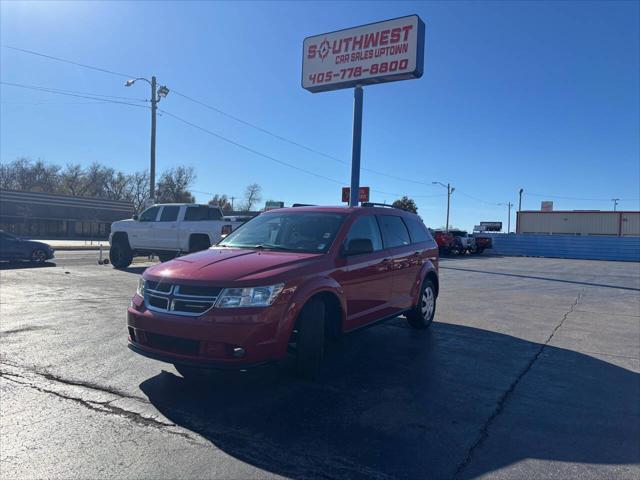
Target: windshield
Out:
[301,232]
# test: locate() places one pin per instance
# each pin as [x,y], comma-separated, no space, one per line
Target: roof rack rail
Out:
[303,205]
[373,204]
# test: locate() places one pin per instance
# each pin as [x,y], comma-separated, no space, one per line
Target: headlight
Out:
[249,297]
[140,289]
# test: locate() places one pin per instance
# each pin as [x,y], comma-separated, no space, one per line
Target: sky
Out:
[543,96]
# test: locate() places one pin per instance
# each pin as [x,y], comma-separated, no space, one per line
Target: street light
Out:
[156,95]
[450,190]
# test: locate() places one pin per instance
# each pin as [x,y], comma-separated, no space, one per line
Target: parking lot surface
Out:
[531,370]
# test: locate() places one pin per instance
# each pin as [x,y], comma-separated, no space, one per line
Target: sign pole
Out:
[357,142]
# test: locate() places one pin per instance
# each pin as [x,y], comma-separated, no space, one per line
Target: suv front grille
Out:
[180,299]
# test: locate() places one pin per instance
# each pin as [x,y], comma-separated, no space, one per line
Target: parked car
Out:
[446,242]
[16,248]
[285,281]
[464,242]
[482,243]
[167,230]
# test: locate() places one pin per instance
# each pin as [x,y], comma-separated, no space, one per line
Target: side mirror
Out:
[135,217]
[359,246]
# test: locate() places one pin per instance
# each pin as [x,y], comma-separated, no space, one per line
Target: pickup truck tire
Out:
[120,254]
[421,316]
[198,243]
[310,339]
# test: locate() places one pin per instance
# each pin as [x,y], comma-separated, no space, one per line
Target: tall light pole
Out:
[509,205]
[520,199]
[156,95]
[615,203]
[450,190]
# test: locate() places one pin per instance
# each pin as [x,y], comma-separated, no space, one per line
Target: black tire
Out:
[199,243]
[421,317]
[166,256]
[38,256]
[310,339]
[479,250]
[120,254]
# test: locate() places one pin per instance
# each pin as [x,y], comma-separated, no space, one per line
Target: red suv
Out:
[285,281]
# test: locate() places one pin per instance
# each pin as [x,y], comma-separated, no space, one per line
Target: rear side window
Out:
[214,213]
[365,227]
[169,214]
[149,215]
[394,231]
[417,230]
[197,213]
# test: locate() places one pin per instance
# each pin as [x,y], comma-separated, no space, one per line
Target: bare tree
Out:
[72,179]
[139,191]
[174,185]
[221,201]
[252,196]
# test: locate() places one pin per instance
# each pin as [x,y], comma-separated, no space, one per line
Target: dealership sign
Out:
[363,194]
[375,53]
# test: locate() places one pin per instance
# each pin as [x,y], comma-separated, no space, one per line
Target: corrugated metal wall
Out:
[567,246]
[579,223]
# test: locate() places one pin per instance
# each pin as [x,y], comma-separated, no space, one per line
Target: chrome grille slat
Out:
[177,303]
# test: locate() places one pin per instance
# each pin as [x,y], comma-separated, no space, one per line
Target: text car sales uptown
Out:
[388,42]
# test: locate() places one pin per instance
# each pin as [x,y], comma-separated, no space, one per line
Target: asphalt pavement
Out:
[531,370]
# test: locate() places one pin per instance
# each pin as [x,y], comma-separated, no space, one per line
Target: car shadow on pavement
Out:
[393,402]
[24,265]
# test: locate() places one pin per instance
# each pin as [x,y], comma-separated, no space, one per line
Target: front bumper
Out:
[211,340]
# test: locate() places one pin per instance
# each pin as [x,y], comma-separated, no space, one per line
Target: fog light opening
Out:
[238,352]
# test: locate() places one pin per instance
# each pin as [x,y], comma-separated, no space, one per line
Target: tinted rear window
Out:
[417,230]
[394,231]
[169,214]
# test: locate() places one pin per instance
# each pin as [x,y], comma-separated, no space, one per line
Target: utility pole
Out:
[232,199]
[152,165]
[615,203]
[156,95]
[450,190]
[509,205]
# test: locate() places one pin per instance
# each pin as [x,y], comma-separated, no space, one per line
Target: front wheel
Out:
[120,255]
[309,340]
[38,256]
[421,316]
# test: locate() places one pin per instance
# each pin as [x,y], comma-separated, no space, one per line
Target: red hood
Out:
[221,266]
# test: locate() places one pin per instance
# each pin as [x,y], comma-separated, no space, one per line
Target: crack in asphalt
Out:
[95,405]
[500,405]
[67,381]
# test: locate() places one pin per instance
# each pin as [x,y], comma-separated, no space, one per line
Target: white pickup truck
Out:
[167,230]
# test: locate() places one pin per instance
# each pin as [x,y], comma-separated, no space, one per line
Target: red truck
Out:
[285,281]
[445,240]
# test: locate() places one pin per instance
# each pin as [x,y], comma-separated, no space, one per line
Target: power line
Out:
[293,142]
[233,117]
[52,89]
[77,64]
[46,90]
[269,157]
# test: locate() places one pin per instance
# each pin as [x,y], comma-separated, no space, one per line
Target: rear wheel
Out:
[166,256]
[309,339]
[198,243]
[421,316]
[38,256]
[120,254]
